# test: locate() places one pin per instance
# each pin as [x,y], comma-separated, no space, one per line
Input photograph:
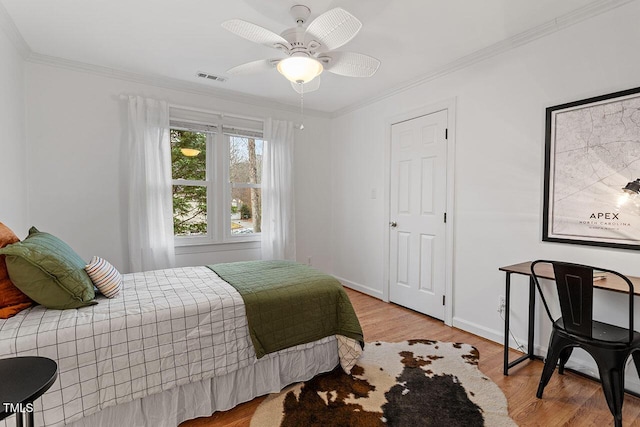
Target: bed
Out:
[174,345]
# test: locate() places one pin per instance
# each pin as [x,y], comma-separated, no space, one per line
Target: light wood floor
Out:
[569,400]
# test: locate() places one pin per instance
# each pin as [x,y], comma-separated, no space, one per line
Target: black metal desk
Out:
[22,381]
[546,272]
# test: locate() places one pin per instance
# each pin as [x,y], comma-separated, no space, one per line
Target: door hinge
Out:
[445,217]
[446,133]
[443,299]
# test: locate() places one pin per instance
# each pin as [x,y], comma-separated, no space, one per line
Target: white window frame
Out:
[217,183]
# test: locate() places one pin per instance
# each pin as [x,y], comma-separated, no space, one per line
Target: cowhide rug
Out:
[412,383]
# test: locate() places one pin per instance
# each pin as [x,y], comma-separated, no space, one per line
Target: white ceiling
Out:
[176,39]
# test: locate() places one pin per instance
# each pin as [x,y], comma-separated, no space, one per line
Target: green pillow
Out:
[49,272]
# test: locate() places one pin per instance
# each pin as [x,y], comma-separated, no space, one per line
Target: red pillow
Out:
[12,300]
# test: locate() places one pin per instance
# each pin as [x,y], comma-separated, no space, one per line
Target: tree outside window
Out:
[245,171]
[190,188]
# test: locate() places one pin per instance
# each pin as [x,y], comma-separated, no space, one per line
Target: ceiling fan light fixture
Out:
[300,69]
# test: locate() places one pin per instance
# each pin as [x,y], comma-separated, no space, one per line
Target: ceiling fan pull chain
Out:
[301,105]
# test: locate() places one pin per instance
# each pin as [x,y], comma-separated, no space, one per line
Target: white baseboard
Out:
[475,329]
[360,288]
[492,334]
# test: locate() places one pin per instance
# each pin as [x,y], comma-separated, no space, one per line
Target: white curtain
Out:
[150,188]
[278,219]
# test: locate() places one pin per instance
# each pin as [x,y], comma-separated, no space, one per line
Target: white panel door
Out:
[417,264]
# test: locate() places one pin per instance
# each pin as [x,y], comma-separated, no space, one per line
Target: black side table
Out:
[23,380]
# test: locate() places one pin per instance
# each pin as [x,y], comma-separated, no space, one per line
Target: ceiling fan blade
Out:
[306,87]
[333,28]
[254,67]
[349,64]
[255,33]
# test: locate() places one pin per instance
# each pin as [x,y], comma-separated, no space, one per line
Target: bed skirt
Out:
[269,374]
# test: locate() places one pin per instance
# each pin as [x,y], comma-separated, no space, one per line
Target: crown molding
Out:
[168,83]
[9,27]
[591,10]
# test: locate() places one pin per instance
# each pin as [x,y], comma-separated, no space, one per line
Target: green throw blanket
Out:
[289,304]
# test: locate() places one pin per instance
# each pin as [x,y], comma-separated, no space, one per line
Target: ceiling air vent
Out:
[211,77]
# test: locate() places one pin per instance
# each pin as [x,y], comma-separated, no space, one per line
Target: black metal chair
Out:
[609,345]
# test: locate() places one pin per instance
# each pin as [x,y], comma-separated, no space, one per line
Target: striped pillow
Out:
[104,276]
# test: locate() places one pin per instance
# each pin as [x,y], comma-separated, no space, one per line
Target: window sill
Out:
[183,248]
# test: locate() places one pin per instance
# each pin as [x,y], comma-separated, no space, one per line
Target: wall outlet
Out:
[502,304]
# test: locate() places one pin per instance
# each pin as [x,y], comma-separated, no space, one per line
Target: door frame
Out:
[450,106]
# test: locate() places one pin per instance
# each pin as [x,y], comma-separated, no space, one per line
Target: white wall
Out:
[499,165]
[13,185]
[77,183]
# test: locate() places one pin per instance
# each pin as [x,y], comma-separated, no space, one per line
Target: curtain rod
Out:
[201,110]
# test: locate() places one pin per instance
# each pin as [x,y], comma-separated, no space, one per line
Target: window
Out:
[245,171]
[190,184]
[216,173]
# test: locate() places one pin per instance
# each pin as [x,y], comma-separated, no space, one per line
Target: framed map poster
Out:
[592,150]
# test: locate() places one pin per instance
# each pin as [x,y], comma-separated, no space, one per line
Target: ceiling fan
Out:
[308,50]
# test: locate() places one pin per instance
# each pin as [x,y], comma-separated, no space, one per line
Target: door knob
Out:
[393,224]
